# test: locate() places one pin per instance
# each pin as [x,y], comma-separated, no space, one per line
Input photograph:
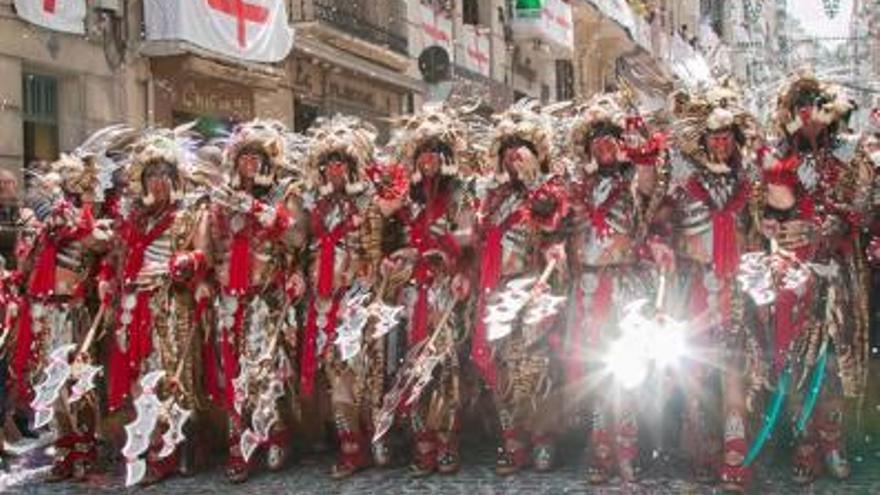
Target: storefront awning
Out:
[315,48]
[647,78]
[206,62]
[621,13]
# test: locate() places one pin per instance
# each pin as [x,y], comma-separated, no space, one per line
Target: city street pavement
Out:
[310,476]
[309,473]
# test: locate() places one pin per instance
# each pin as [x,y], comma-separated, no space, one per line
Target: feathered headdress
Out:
[162,147]
[348,136]
[696,114]
[525,120]
[266,137]
[804,88]
[601,114]
[436,123]
[88,170]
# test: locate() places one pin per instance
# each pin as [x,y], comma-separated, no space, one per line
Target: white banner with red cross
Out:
[68,16]
[255,30]
[476,49]
[436,27]
[556,18]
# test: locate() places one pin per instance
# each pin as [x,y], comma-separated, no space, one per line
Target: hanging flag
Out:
[476,49]
[68,16]
[558,23]
[255,30]
[436,27]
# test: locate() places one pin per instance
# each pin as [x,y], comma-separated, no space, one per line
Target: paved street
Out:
[309,473]
[309,476]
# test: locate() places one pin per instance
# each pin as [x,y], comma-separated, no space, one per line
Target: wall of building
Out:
[599,41]
[90,93]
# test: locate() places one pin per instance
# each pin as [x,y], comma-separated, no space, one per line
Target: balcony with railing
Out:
[348,16]
[367,28]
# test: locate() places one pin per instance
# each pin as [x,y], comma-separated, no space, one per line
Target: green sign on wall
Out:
[529,8]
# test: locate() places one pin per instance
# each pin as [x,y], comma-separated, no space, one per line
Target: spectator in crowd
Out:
[9,208]
[9,214]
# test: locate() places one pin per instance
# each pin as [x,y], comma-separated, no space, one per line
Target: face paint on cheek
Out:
[806,114]
[721,145]
[336,173]
[429,163]
[508,162]
[604,150]
[511,156]
[335,169]
[247,165]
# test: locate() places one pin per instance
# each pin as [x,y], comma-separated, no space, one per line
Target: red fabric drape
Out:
[125,364]
[490,276]
[424,241]
[139,241]
[327,241]
[23,352]
[309,358]
[587,326]
[42,281]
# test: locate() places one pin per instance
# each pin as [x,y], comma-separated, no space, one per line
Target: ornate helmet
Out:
[601,115]
[342,136]
[264,137]
[171,149]
[436,125]
[86,172]
[804,88]
[76,175]
[523,122]
[696,114]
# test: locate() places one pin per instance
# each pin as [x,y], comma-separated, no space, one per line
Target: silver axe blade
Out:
[174,436]
[55,374]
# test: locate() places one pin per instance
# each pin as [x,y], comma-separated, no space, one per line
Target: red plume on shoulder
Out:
[391,180]
[549,204]
[648,153]
[782,171]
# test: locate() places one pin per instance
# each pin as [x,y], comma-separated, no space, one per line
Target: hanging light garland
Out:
[753,10]
[832,8]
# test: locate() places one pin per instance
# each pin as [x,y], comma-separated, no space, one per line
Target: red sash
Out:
[125,364]
[490,276]
[725,249]
[327,241]
[424,240]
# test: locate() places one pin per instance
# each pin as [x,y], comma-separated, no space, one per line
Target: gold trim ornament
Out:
[523,120]
[348,136]
[831,103]
[265,136]
[435,122]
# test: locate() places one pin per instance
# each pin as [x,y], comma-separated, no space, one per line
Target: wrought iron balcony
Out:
[347,17]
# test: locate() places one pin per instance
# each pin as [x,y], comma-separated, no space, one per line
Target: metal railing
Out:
[346,17]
